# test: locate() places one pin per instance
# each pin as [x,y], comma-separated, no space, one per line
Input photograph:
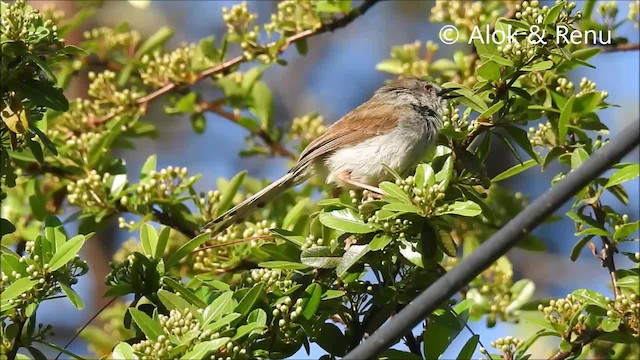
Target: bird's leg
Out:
[346,178]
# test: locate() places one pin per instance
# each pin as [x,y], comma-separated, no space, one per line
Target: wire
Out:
[503,240]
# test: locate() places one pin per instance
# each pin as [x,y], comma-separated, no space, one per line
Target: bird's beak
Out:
[447,93]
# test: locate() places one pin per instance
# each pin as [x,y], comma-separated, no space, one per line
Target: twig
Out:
[576,347]
[168,220]
[620,47]
[262,237]
[85,325]
[608,249]
[276,147]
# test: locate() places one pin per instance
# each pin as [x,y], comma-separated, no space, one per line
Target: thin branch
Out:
[620,47]
[608,249]
[85,325]
[276,147]
[245,240]
[576,346]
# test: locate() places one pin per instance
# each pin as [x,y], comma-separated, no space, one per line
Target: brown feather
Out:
[364,122]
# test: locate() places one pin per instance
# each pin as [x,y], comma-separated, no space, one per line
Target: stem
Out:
[11,355]
[412,343]
[608,249]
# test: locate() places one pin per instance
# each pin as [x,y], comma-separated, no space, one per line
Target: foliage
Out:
[298,272]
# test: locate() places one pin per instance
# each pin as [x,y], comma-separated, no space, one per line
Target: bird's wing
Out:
[367,120]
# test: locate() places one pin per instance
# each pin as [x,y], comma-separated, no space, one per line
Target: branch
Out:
[576,347]
[608,249]
[144,101]
[620,47]
[276,147]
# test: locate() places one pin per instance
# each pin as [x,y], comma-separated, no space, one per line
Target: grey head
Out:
[425,97]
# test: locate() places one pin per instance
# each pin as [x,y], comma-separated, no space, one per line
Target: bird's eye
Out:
[427,87]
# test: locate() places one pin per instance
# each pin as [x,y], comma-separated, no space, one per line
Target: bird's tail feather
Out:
[239,212]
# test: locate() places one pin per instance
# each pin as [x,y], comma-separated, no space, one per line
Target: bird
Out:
[393,128]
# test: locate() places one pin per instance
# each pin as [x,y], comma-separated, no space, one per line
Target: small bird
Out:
[394,127]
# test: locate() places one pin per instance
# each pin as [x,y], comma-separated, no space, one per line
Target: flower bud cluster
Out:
[311,241]
[565,86]
[240,21]
[163,68]
[103,87]
[293,16]
[226,252]
[46,283]
[519,52]
[465,14]
[307,128]
[209,204]
[627,307]
[285,314]
[161,185]
[451,119]
[89,192]
[508,345]
[608,9]
[275,280]
[111,39]
[562,311]
[492,291]
[634,13]
[543,136]
[21,22]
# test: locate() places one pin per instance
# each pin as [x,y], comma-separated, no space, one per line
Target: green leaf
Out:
[66,252]
[201,350]
[161,244]
[294,214]
[401,208]
[222,305]
[298,240]
[43,94]
[149,327]
[392,190]
[489,70]
[626,230]
[578,156]
[230,192]
[123,351]
[462,208]
[577,248]
[493,109]
[521,292]
[514,170]
[469,348]
[185,292]
[392,66]
[6,227]
[172,301]
[553,13]
[625,174]
[44,67]
[331,339]
[286,265]
[346,220]
[610,324]
[222,322]
[155,41]
[563,121]
[336,6]
[17,288]
[149,239]
[320,257]
[185,249]
[379,242]
[250,299]
[262,104]
[350,257]
[198,122]
[302,46]
[148,166]
[314,294]
[425,177]
[590,297]
[522,139]
[443,327]
[333,294]
[73,296]
[631,282]
[540,66]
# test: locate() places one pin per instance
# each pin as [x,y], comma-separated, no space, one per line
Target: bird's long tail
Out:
[239,212]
